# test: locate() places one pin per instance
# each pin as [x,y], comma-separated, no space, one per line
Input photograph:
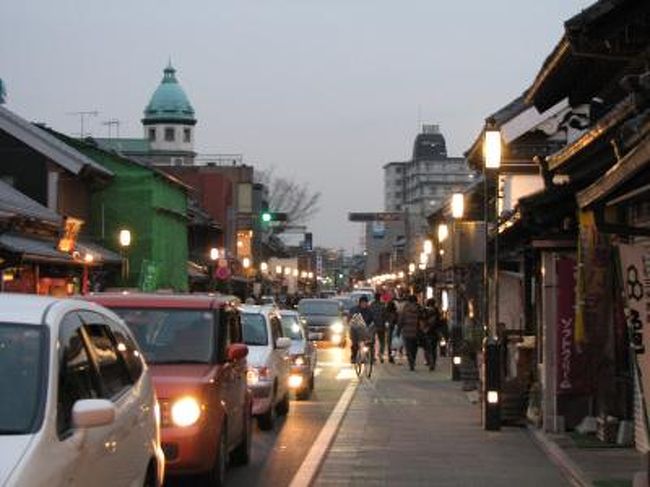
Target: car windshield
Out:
[172,336]
[325,307]
[21,378]
[254,329]
[291,327]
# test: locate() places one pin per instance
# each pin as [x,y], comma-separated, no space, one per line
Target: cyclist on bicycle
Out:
[358,335]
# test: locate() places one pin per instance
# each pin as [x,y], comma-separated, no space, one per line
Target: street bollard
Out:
[491,385]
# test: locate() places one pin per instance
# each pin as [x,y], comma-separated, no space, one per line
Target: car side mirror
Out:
[283,343]
[236,352]
[91,413]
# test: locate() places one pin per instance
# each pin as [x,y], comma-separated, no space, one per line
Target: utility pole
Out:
[82,119]
[113,122]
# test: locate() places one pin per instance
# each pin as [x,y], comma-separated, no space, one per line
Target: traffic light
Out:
[270,216]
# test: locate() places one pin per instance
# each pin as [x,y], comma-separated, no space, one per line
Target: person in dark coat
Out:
[362,309]
[408,325]
[431,328]
[378,310]
[391,319]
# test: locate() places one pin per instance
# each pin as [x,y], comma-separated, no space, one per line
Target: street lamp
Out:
[443,232]
[428,247]
[246,263]
[214,254]
[264,267]
[491,357]
[457,205]
[125,243]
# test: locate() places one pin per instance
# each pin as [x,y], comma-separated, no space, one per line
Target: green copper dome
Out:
[169,102]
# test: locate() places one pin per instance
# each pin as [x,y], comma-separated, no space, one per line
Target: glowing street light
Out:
[214,253]
[443,232]
[125,238]
[246,263]
[264,267]
[428,247]
[457,205]
[492,149]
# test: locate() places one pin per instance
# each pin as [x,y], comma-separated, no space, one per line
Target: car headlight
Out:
[337,327]
[185,411]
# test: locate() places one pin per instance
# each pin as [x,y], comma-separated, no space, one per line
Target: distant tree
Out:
[296,199]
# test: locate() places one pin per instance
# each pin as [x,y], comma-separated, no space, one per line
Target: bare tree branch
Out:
[295,199]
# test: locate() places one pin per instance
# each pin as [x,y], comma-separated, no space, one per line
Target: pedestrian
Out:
[431,329]
[378,310]
[357,335]
[391,320]
[408,325]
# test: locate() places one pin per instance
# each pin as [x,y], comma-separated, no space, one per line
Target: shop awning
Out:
[43,250]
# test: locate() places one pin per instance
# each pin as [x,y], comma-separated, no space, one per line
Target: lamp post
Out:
[491,374]
[125,243]
[457,212]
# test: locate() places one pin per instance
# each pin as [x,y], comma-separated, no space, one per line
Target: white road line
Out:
[312,462]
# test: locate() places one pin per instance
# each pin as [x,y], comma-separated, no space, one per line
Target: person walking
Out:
[378,311]
[431,325]
[408,325]
[391,320]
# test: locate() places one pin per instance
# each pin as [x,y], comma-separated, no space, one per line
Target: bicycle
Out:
[365,358]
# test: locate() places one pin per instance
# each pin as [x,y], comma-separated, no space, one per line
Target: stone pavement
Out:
[418,428]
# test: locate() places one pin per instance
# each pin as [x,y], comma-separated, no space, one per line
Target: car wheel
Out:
[283,406]
[216,477]
[266,421]
[242,454]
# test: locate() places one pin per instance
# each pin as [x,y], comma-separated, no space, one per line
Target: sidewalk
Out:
[590,465]
[418,428]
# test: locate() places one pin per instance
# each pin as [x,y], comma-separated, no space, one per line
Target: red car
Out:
[193,347]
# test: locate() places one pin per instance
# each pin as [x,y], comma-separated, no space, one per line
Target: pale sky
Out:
[325,91]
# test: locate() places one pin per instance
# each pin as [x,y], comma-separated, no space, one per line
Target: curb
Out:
[557,456]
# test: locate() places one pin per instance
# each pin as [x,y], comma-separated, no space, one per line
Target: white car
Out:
[77,406]
[269,363]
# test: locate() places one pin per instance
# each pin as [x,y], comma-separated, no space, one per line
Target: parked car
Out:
[194,347]
[324,319]
[269,363]
[302,354]
[77,406]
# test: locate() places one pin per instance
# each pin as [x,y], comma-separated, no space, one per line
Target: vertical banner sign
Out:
[570,360]
[635,278]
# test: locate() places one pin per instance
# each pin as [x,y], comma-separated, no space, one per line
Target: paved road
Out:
[277,455]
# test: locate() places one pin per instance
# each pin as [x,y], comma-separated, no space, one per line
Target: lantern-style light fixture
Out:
[411,268]
[214,253]
[427,247]
[246,262]
[125,237]
[457,205]
[492,149]
[443,232]
[264,267]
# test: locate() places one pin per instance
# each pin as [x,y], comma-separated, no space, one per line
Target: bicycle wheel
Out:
[370,359]
[357,363]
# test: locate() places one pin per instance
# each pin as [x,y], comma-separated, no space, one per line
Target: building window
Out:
[152,134]
[169,134]
[187,135]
